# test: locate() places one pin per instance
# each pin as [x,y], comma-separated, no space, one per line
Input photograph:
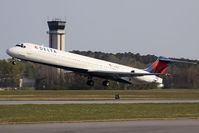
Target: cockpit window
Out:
[21,45]
[18,45]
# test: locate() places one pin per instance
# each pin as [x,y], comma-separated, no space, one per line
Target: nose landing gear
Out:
[13,61]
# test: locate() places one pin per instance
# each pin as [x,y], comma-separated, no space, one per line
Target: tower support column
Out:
[57,41]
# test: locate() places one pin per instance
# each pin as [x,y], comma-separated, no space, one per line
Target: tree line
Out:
[182,75]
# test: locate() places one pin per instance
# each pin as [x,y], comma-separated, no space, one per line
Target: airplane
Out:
[91,67]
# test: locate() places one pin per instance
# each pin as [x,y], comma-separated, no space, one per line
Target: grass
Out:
[95,112]
[99,94]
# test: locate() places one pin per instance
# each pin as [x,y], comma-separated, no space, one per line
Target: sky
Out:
[158,27]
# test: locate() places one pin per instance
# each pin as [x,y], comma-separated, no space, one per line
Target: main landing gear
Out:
[106,83]
[91,83]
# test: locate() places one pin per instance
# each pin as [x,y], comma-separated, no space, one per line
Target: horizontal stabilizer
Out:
[176,61]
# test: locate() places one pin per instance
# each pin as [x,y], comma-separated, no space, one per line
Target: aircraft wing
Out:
[110,74]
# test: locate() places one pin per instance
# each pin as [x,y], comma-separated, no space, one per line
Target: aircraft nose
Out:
[10,51]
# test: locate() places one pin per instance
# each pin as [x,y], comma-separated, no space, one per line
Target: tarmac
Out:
[140,126]
[97,102]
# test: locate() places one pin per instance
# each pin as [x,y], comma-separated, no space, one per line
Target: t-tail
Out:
[161,65]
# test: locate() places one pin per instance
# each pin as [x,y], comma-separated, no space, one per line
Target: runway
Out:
[143,126]
[97,102]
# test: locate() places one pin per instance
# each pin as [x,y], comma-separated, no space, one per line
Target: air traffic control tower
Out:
[57,34]
[57,41]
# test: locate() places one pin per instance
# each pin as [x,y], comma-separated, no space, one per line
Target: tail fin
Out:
[160,65]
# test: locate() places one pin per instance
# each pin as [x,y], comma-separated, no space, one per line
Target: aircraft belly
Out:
[143,79]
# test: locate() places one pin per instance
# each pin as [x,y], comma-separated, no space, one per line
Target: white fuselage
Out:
[49,56]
